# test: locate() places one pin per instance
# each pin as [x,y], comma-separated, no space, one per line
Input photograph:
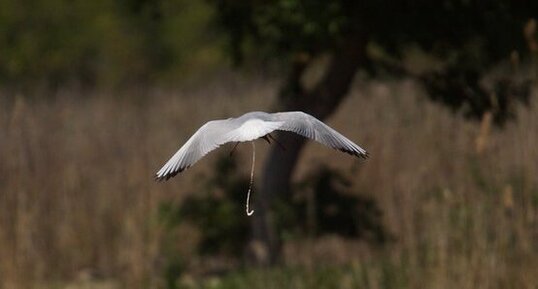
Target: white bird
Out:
[249,127]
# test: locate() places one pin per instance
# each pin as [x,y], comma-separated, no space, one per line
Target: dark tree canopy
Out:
[471,38]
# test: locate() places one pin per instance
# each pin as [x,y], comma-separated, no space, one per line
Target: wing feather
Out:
[212,135]
[308,126]
[207,138]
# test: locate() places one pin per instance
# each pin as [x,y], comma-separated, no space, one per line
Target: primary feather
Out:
[308,126]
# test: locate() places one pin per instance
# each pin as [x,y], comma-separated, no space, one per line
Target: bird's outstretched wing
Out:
[308,126]
[209,137]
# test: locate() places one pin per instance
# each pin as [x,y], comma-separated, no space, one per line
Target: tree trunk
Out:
[321,101]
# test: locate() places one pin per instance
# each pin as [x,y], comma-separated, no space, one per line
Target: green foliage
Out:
[285,27]
[174,269]
[470,38]
[277,29]
[105,43]
[57,41]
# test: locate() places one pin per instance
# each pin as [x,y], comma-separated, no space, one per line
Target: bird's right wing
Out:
[207,138]
[308,126]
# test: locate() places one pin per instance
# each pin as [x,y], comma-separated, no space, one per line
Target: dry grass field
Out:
[78,203]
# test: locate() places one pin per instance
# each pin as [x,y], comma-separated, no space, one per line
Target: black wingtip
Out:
[358,154]
[168,176]
[161,178]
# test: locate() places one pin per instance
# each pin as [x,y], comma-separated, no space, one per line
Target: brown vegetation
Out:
[78,201]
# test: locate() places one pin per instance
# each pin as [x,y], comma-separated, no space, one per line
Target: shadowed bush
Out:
[329,206]
[326,206]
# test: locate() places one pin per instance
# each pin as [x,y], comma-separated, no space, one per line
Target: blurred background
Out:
[96,95]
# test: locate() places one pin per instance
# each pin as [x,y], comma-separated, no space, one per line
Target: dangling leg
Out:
[233,150]
[266,138]
[249,212]
[277,142]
